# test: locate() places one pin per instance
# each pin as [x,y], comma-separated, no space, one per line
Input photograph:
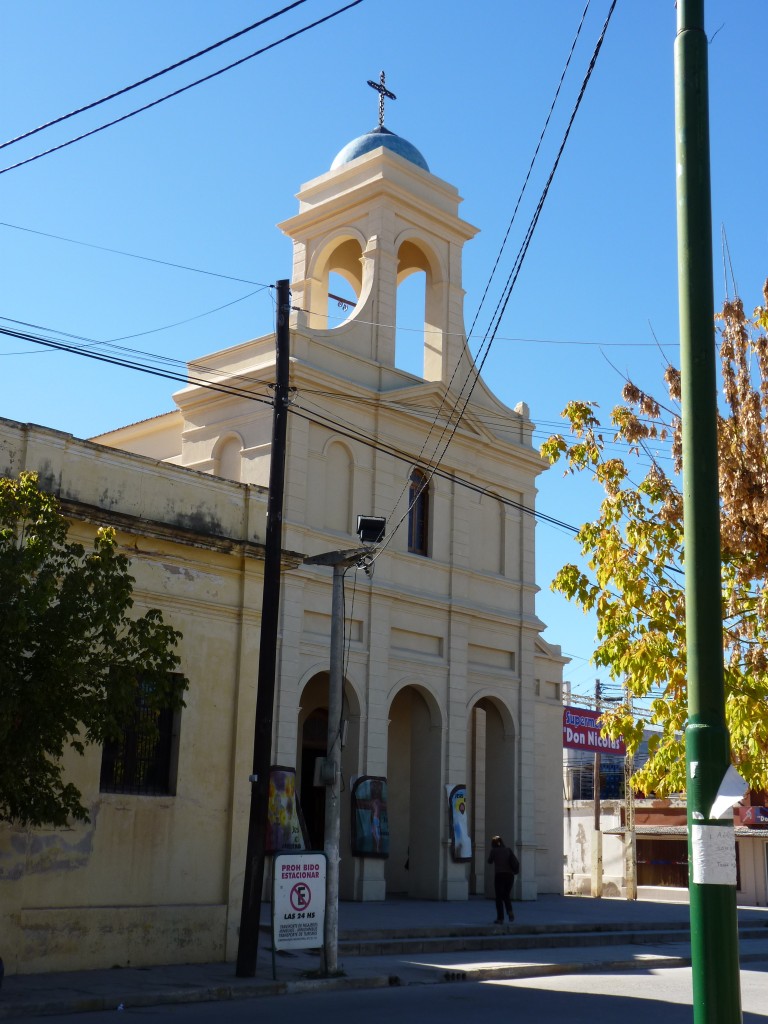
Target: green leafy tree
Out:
[635,554]
[72,657]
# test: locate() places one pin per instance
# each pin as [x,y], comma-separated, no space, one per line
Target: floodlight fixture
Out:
[370,529]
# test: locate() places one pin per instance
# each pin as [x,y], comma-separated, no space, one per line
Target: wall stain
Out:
[59,850]
[180,570]
[47,478]
[201,520]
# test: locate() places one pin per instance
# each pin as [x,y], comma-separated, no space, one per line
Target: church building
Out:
[447,681]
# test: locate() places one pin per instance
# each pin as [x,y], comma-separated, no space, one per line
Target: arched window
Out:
[418,513]
[227,458]
[338,489]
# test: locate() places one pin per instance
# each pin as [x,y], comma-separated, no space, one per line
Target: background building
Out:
[660,834]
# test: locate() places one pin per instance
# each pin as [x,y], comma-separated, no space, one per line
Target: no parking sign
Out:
[298,900]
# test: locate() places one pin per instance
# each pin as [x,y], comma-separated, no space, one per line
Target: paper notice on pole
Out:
[714,854]
[731,790]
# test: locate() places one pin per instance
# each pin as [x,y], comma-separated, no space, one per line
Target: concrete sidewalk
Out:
[628,935]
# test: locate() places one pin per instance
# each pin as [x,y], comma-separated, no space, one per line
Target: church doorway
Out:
[413,795]
[312,743]
[491,769]
[314,739]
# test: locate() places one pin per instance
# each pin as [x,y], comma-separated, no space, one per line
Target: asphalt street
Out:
[634,997]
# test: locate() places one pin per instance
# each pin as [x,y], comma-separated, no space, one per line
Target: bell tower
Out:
[376,217]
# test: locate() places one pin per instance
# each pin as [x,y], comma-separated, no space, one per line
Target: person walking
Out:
[505,867]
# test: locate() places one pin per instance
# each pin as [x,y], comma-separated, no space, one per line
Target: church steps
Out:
[386,942]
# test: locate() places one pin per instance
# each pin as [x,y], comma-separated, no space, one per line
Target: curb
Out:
[181,996]
[231,993]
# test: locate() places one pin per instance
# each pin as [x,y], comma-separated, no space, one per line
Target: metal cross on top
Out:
[380,89]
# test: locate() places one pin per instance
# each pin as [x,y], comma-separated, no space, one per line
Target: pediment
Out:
[430,401]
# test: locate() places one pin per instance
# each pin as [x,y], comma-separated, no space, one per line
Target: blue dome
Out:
[373,140]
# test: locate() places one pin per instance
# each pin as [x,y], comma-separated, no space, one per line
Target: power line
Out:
[318,419]
[542,428]
[151,78]
[423,330]
[128,337]
[514,273]
[475,370]
[389,449]
[488,420]
[178,92]
[495,265]
[531,165]
[133,255]
[114,360]
[91,344]
[522,252]
[181,374]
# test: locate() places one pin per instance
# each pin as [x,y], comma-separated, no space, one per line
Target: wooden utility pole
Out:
[253,882]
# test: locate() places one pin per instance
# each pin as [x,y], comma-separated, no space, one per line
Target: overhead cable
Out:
[139,334]
[444,398]
[151,78]
[423,330]
[133,255]
[178,92]
[530,168]
[474,373]
[318,419]
[91,344]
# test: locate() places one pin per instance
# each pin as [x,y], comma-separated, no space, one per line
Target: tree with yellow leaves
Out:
[635,552]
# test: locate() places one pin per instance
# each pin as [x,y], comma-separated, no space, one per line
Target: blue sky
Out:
[202,179]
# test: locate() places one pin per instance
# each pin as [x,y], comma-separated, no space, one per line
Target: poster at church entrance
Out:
[298,900]
[461,843]
[285,826]
[370,823]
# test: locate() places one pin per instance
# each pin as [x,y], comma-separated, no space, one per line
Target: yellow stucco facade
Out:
[148,874]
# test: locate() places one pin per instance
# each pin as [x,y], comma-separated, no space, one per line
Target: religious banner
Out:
[285,826]
[370,824]
[581,731]
[461,844]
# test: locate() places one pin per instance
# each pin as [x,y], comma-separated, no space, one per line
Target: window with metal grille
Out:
[418,513]
[139,763]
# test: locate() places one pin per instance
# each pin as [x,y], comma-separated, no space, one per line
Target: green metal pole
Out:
[711,843]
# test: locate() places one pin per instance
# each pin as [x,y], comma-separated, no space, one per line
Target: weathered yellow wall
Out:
[149,879]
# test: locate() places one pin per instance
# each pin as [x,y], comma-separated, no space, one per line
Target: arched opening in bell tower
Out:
[342,299]
[418,323]
[338,277]
[409,332]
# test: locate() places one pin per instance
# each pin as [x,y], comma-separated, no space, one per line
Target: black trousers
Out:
[503,888]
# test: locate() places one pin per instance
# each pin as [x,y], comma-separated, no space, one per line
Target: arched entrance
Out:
[314,740]
[414,797]
[491,765]
[312,743]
